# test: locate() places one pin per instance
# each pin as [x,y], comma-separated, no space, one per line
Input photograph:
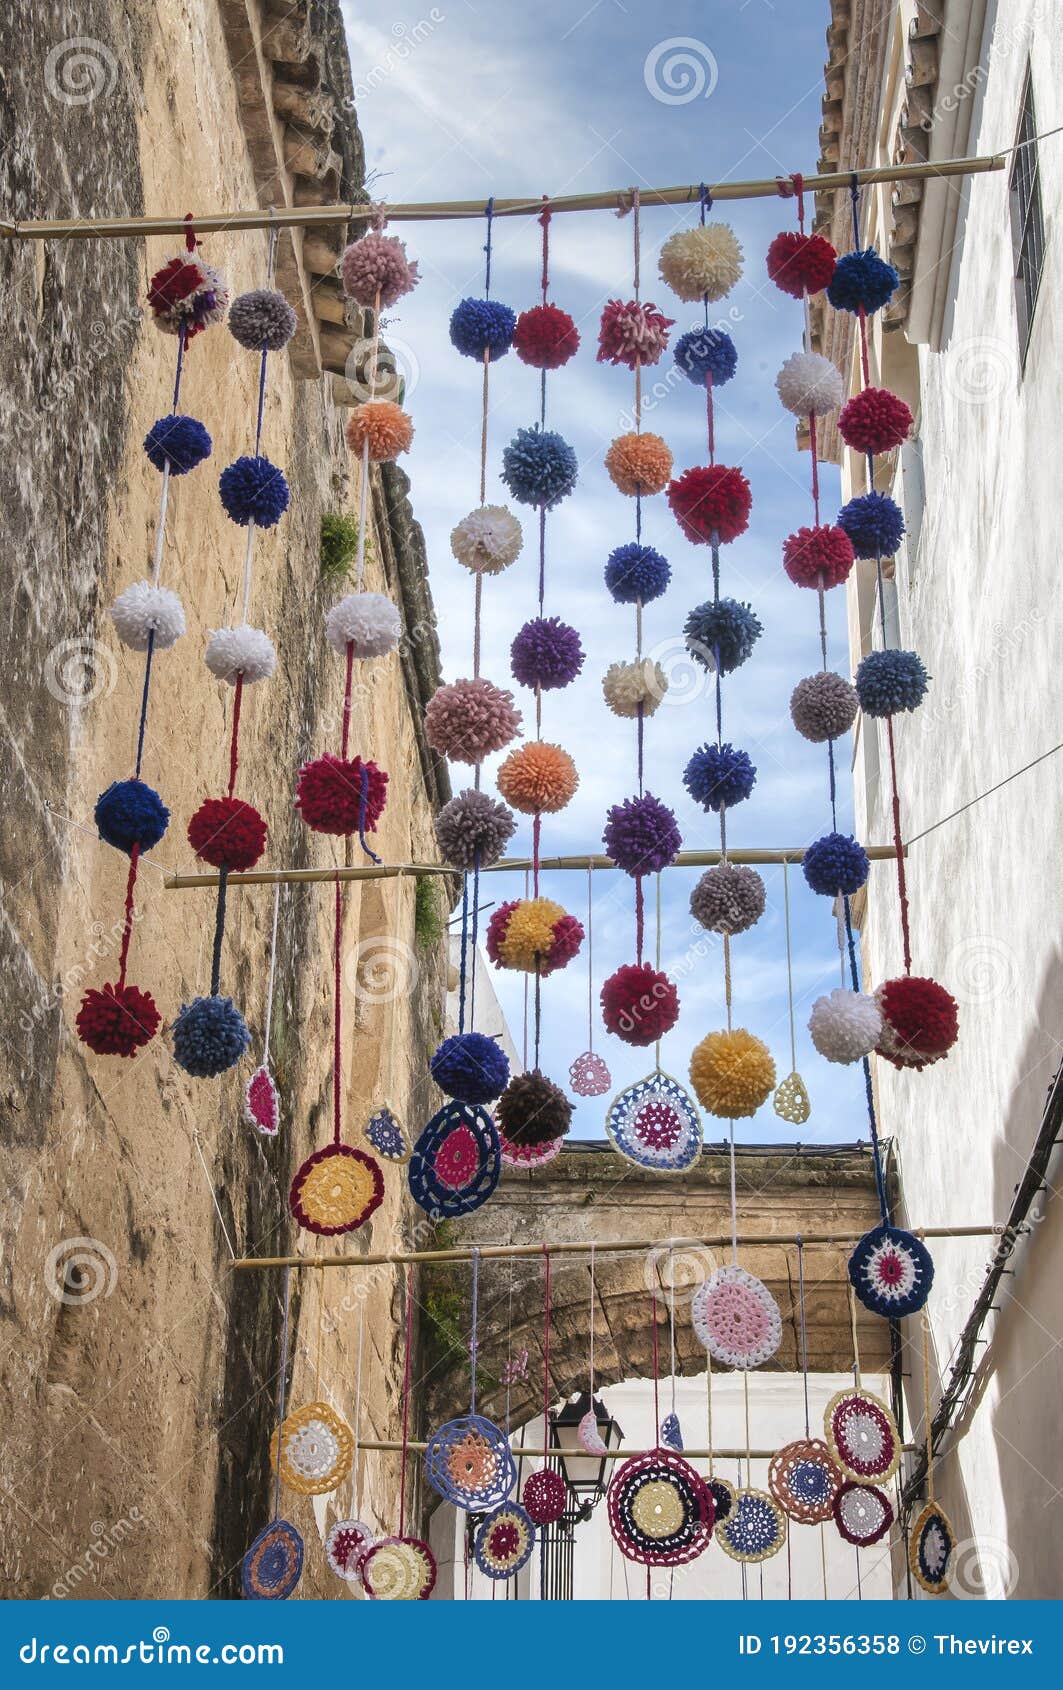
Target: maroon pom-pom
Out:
[328,794]
[812,552]
[711,499]
[632,333]
[874,421]
[227,833]
[545,337]
[801,263]
[639,1005]
[920,1021]
[117,1021]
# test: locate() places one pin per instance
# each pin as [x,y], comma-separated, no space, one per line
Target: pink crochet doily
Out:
[736,1318]
[529,1155]
[589,1076]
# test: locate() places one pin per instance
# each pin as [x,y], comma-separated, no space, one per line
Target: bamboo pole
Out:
[388,1447]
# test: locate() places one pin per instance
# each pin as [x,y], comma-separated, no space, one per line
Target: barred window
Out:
[1027,220]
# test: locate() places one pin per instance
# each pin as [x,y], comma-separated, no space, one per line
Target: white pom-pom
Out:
[243,652]
[143,610]
[488,540]
[701,263]
[809,385]
[368,621]
[627,685]
[845,1025]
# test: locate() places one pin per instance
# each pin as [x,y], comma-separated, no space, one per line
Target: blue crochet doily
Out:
[469,1463]
[655,1124]
[891,1271]
[755,1527]
[504,1542]
[272,1565]
[386,1136]
[671,1433]
[931,1548]
[456,1161]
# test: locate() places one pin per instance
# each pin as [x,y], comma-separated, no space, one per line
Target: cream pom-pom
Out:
[845,1025]
[488,540]
[143,610]
[702,263]
[241,653]
[368,621]
[809,385]
[627,685]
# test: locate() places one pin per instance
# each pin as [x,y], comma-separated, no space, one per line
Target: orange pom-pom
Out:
[639,463]
[537,777]
[384,425]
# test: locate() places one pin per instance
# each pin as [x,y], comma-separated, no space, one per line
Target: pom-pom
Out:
[632,333]
[875,421]
[177,443]
[701,263]
[800,264]
[142,611]
[538,776]
[539,467]
[479,326]
[546,653]
[718,776]
[861,280]
[130,813]
[823,706]
[629,688]
[639,463]
[639,1004]
[722,634]
[641,835]
[209,1036]
[890,681]
[874,524]
[468,720]
[845,1025]
[262,320]
[532,934]
[732,1073]
[377,264]
[473,828]
[227,833]
[471,1067]
[370,622]
[187,293]
[713,500]
[381,425]
[240,654]
[809,385]
[818,556]
[545,337]
[636,574]
[704,354]
[488,540]
[339,795]
[532,1110]
[920,1021]
[118,1021]
[728,898]
[254,490]
[835,865]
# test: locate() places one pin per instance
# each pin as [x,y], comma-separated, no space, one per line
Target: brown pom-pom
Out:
[639,463]
[384,425]
[468,720]
[532,1110]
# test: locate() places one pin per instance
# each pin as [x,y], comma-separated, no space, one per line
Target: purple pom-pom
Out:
[471,1067]
[254,490]
[642,835]
[546,653]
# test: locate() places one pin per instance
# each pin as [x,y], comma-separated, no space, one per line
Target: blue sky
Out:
[465,100]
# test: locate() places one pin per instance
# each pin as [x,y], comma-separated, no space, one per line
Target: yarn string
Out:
[234,743]
[537,834]
[127,917]
[928,1427]
[590,961]
[640,918]
[856,1341]
[219,933]
[337,1018]
[636,239]
[357,1409]
[406,1401]
[804,1329]
[854,975]
[280,1393]
[345,732]
[143,722]
[592,1328]
[708,1408]
[704,203]
[473,1337]
[898,846]
[464,951]
[537,1007]
[789,963]
[546,1354]
[544,223]
[745,1395]
[272,971]
[657,965]
[734,1195]
[671,1317]
[489,212]
[474,937]
[656,1382]
[814,455]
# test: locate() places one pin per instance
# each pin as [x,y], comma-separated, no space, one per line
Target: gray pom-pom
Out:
[473,825]
[728,898]
[262,318]
[823,706]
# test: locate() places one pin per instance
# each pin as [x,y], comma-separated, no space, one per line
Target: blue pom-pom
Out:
[836,864]
[723,633]
[181,442]
[635,572]
[254,490]
[873,523]
[131,813]
[209,1036]
[706,352]
[890,681]
[861,279]
[471,1067]
[718,776]
[539,467]
[482,325]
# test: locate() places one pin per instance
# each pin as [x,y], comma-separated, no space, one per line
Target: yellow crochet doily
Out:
[316,1449]
[399,1569]
[658,1509]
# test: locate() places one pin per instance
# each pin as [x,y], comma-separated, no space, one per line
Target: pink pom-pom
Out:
[631,333]
[117,1021]
[377,264]
[545,337]
[639,1004]
[469,720]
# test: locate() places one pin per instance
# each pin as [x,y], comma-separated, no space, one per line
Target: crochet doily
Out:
[346,1546]
[589,1436]
[456,1161]
[545,1495]
[399,1569]
[504,1541]
[862,1436]
[272,1565]
[262,1103]
[722,1492]
[336,1190]
[863,1513]
[672,1432]
[660,1512]
[316,1449]
[655,1124]
[891,1271]
[589,1076]
[931,1545]
[736,1317]
[791,1100]
[529,1156]
[804,1480]
[469,1462]
[755,1529]
[385,1134]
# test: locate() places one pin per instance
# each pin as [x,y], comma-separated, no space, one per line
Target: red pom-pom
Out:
[545,337]
[801,263]
[874,421]
[227,833]
[632,333]
[175,281]
[711,500]
[328,794]
[568,937]
[920,1021]
[638,1004]
[812,552]
[117,1021]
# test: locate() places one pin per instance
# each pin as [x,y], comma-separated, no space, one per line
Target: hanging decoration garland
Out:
[859,1426]
[589,1074]
[791,1100]
[545,1491]
[802,1476]
[350,1540]
[261,1109]
[271,1567]
[891,1271]
[401,1568]
[931,1541]
[313,1447]
[468,1461]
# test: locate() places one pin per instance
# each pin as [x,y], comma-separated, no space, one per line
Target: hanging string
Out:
[928,1425]
[213,1193]
[406,1401]
[272,972]
[671,1310]
[592,1327]
[657,962]
[462,971]
[280,1394]
[789,965]
[656,1390]
[856,1343]
[804,1329]
[636,238]
[474,1335]
[127,916]
[234,745]
[524,1032]
[538,1007]
[745,1393]
[143,722]
[876,1151]
[734,1198]
[337,1011]
[546,1357]
[704,205]
[708,1409]
[320,1332]
[474,937]
[898,847]
[640,918]
[590,960]
[358,1408]
[219,932]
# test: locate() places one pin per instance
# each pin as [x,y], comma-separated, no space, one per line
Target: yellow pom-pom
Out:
[529,933]
[702,263]
[732,1073]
